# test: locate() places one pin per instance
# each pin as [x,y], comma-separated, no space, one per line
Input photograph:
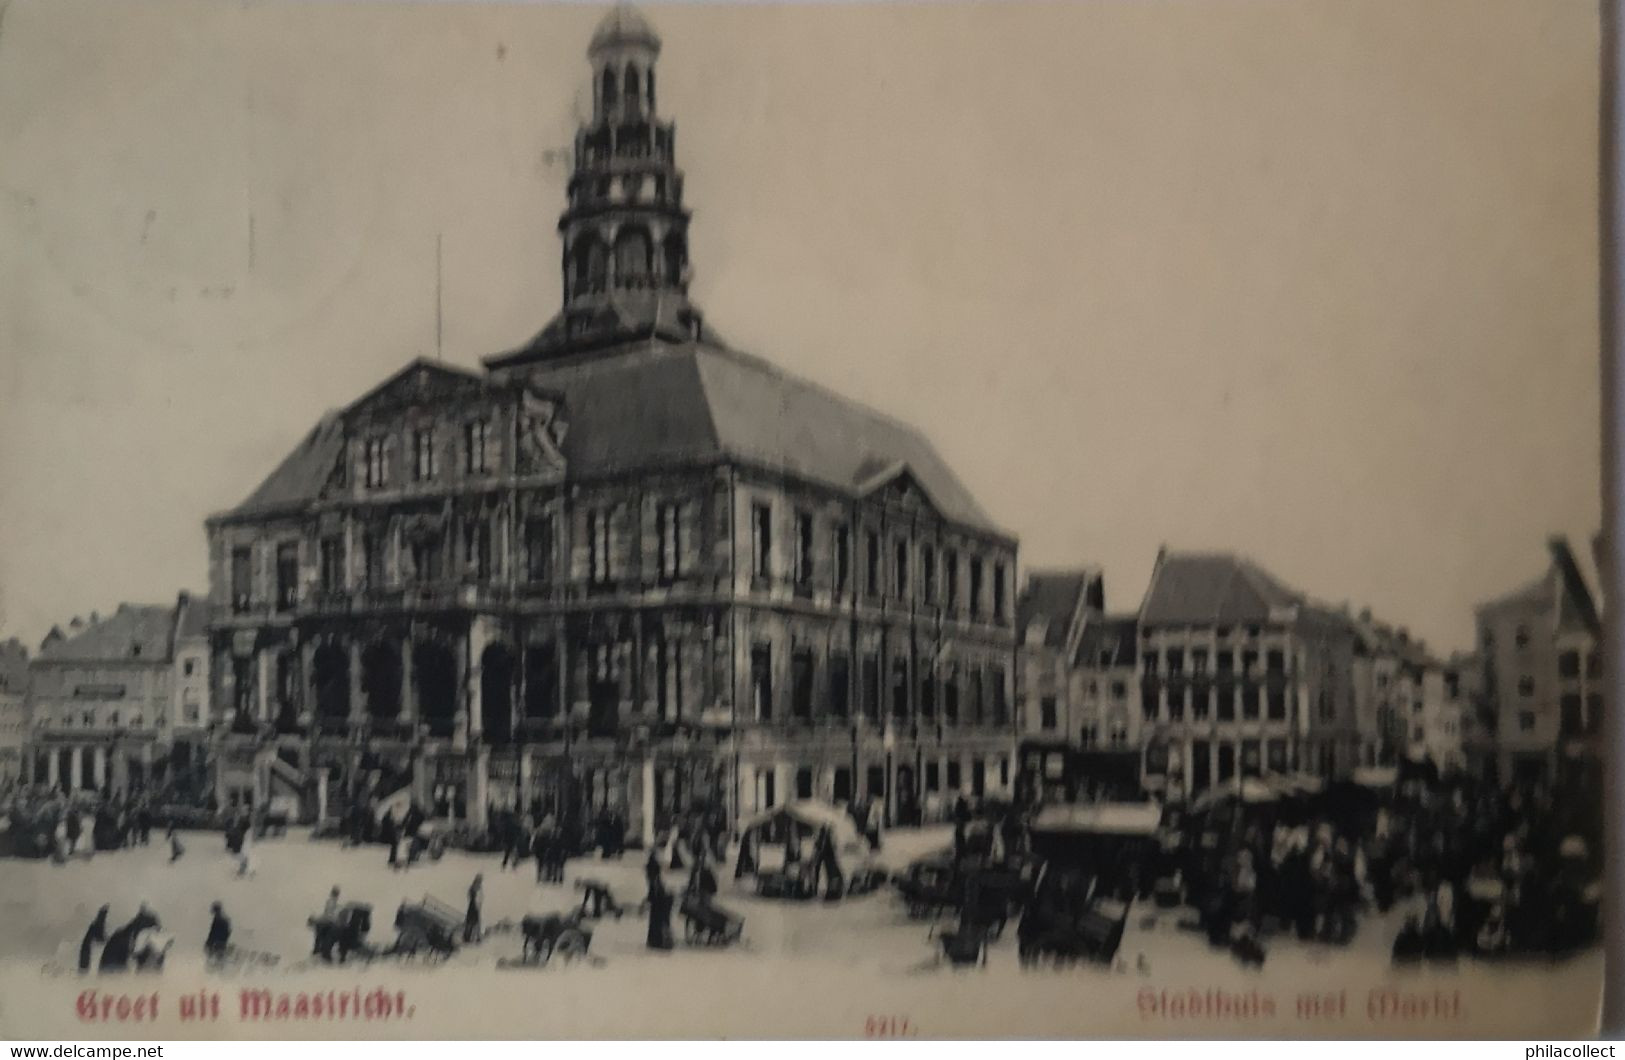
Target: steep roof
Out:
[1116,636]
[135,632]
[1196,588]
[299,479]
[1221,588]
[1052,597]
[193,621]
[1576,608]
[657,404]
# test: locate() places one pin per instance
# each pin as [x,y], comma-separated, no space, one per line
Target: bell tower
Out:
[624,228]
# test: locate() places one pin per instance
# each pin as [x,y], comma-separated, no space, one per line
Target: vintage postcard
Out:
[1024,520]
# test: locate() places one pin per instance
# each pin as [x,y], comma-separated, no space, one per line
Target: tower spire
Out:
[624,227]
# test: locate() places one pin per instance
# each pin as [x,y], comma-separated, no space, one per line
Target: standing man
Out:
[471,922]
[214,947]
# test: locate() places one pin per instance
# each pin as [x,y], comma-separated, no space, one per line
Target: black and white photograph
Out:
[1026,520]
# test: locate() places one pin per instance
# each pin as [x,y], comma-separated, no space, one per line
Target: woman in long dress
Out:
[95,934]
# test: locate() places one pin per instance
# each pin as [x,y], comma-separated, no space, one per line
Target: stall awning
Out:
[1101,818]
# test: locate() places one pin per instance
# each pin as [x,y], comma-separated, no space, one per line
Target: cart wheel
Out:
[571,944]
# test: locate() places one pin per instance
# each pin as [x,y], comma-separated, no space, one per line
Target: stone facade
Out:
[626,568]
[1239,677]
[1542,673]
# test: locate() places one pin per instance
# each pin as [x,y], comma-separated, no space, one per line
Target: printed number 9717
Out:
[888,1027]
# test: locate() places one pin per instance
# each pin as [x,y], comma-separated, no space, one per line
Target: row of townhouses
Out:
[626,568]
[1225,673]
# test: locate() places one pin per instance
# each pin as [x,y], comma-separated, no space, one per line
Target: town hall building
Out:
[624,568]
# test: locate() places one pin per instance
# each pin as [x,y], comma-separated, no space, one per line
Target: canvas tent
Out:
[787,834]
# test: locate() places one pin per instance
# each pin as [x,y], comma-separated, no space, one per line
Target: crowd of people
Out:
[42,821]
[1471,867]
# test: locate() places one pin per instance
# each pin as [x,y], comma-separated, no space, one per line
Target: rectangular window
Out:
[1249,702]
[375,471]
[477,549]
[1089,735]
[242,578]
[1276,756]
[1047,716]
[1119,734]
[332,564]
[761,681]
[900,569]
[761,522]
[840,682]
[423,462]
[998,593]
[1226,661]
[426,559]
[373,555]
[1526,720]
[1199,701]
[933,777]
[928,574]
[669,681]
[1150,701]
[976,587]
[1526,686]
[1176,660]
[899,689]
[871,687]
[1568,664]
[950,579]
[843,558]
[977,698]
[928,694]
[801,684]
[1001,702]
[1150,658]
[804,550]
[1199,662]
[1277,704]
[1276,661]
[954,775]
[950,699]
[668,523]
[539,550]
[287,575]
[871,577]
[1572,722]
[1249,663]
[477,447]
[598,547]
[1227,704]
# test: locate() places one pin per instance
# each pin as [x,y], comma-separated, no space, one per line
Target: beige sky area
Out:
[1310,279]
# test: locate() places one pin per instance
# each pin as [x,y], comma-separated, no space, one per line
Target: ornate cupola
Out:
[625,230]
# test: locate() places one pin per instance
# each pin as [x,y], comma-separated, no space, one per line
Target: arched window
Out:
[589,267]
[676,255]
[607,97]
[634,95]
[632,258]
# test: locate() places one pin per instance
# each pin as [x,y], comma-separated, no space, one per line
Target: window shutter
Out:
[689,532]
[649,538]
[693,677]
[580,524]
[649,698]
[620,543]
